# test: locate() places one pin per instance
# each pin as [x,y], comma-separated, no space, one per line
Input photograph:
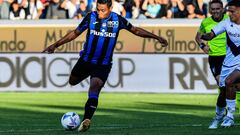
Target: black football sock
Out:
[221,101]
[90,108]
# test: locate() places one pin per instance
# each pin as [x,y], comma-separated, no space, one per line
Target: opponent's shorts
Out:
[83,69]
[226,71]
[215,63]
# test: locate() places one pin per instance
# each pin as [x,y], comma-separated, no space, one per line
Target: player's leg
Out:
[96,85]
[221,101]
[99,76]
[215,63]
[231,82]
[80,71]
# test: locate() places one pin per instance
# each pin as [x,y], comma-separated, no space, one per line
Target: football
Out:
[70,121]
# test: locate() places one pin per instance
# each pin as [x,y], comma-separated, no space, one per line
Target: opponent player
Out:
[216,49]
[96,57]
[230,74]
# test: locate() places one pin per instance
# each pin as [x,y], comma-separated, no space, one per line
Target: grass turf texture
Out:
[118,114]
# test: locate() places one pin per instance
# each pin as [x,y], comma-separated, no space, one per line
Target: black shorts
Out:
[215,63]
[83,69]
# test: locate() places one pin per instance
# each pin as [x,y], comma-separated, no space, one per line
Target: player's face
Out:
[216,10]
[103,10]
[234,13]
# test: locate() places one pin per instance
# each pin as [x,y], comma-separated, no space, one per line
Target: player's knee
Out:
[222,91]
[96,84]
[228,82]
[73,81]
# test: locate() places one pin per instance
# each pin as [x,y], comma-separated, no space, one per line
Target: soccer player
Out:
[96,57]
[230,73]
[216,49]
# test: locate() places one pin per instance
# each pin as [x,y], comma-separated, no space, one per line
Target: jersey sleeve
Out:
[84,24]
[125,24]
[220,27]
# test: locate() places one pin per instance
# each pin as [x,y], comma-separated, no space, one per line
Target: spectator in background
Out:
[33,9]
[151,7]
[192,14]
[4,8]
[55,11]
[118,8]
[16,13]
[72,6]
[163,11]
[128,6]
[82,10]
[92,6]
[89,4]
[136,9]
[200,6]
[45,4]
[176,9]
[22,3]
[122,1]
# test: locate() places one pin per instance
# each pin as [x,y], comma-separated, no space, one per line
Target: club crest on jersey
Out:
[112,24]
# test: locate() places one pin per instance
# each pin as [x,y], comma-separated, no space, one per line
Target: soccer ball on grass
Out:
[70,121]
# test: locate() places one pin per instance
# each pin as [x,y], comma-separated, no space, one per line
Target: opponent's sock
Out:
[90,106]
[231,104]
[219,112]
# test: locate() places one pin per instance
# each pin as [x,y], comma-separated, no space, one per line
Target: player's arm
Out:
[67,38]
[143,33]
[208,36]
[124,24]
[71,35]
[218,29]
[201,43]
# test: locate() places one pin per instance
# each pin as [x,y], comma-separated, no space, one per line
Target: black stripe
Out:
[87,39]
[105,45]
[235,50]
[95,40]
[116,39]
[86,43]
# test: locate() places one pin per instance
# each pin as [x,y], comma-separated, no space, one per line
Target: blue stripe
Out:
[99,43]
[93,95]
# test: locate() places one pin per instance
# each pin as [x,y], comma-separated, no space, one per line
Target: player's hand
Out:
[206,49]
[49,49]
[163,42]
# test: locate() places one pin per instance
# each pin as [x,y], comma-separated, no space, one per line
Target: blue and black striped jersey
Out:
[101,37]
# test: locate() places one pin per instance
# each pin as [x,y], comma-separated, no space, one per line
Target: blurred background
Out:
[76,9]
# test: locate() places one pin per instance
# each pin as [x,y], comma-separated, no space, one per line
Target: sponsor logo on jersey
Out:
[103,33]
[234,34]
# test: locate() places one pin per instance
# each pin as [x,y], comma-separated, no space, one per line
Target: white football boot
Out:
[215,122]
[227,122]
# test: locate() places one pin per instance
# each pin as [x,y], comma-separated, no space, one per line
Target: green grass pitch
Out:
[117,114]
